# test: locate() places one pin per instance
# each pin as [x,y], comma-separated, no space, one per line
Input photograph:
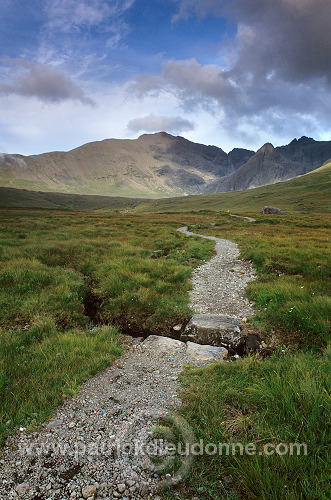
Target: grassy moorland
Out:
[23,198]
[70,282]
[278,401]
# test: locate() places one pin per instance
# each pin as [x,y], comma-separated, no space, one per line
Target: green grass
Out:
[24,198]
[283,399]
[307,193]
[64,273]
[69,283]
[41,366]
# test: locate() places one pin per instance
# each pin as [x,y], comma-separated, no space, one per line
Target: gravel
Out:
[219,285]
[98,443]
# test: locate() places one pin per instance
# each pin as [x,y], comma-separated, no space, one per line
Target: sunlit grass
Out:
[280,401]
[64,278]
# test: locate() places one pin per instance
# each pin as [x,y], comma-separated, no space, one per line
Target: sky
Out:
[231,73]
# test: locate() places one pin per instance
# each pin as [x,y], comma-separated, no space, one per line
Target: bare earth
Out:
[98,442]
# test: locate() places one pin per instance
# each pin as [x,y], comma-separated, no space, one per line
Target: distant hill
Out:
[309,193]
[158,166]
[23,198]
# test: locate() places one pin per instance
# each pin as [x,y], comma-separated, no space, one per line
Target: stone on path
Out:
[22,488]
[163,344]
[198,352]
[212,329]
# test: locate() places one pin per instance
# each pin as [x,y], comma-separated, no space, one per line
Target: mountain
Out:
[159,165]
[270,165]
[154,165]
[308,193]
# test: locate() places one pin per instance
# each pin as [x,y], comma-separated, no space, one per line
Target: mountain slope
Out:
[23,198]
[160,165]
[307,193]
[270,165]
[152,166]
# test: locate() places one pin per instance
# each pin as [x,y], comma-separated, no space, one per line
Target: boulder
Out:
[203,353]
[212,329]
[270,210]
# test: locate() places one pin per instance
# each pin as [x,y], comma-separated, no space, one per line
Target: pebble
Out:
[22,488]
[89,491]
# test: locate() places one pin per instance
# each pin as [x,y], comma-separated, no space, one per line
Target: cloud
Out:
[193,78]
[278,67]
[288,37]
[152,123]
[11,160]
[145,84]
[72,15]
[43,82]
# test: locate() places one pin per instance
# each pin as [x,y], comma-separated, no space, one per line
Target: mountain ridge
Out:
[160,165]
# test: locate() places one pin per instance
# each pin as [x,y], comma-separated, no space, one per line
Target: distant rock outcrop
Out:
[270,210]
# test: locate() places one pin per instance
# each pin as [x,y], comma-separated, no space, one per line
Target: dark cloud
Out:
[43,82]
[152,123]
[277,74]
[290,38]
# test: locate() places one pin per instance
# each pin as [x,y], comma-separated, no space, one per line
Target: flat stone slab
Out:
[198,352]
[163,344]
[212,329]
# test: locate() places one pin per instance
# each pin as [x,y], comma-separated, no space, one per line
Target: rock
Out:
[177,328]
[212,329]
[121,488]
[54,423]
[270,210]
[252,341]
[198,352]
[22,488]
[89,491]
[163,344]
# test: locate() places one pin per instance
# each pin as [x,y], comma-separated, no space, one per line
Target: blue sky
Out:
[233,73]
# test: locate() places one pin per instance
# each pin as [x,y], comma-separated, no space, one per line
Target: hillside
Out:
[271,165]
[159,166]
[154,165]
[308,193]
[23,198]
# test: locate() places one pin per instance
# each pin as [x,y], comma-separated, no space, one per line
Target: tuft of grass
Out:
[41,366]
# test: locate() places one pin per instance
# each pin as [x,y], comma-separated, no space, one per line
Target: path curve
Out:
[219,285]
[82,453]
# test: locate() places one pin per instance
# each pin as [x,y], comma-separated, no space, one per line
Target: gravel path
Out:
[219,285]
[97,445]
